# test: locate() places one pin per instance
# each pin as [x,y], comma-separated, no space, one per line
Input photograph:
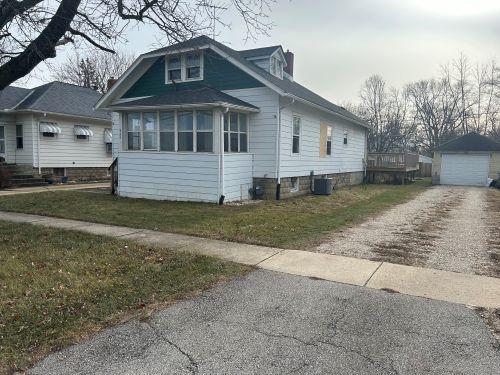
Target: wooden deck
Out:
[392,162]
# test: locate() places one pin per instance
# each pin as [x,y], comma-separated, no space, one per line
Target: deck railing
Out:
[393,160]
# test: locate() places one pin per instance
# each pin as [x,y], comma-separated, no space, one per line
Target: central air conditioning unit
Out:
[323,186]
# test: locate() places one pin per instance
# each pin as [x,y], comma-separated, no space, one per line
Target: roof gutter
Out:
[57,114]
[299,99]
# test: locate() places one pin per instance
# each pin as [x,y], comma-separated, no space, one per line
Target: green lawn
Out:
[292,223]
[58,286]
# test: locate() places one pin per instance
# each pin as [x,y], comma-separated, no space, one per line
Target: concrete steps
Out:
[23,176]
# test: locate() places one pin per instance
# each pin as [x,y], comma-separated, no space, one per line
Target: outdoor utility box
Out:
[323,186]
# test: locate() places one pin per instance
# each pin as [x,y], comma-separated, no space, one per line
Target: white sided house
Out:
[53,130]
[199,121]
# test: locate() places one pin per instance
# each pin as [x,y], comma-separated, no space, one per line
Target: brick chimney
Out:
[111,82]
[289,62]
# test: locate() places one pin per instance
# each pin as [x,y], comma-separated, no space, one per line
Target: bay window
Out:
[235,132]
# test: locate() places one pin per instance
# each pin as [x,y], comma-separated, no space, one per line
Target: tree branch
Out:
[42,47]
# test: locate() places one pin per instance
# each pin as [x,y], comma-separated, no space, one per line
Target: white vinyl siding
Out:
[465,169]
[65,151]
[262,128]
[169,176]
[344,158]
[237,176]
[22,156]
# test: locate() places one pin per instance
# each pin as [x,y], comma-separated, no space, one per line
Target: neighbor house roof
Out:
[470,142]
[205,95]
[54,97]
[285,85]
[12,95]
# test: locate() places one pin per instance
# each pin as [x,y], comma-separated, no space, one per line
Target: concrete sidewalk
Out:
[434,284]
[42,189]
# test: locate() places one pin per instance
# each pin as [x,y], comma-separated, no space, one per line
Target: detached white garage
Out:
[468,160]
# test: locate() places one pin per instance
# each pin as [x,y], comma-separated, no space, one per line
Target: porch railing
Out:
[403,161]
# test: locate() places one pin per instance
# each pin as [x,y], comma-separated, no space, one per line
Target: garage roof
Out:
[470,142]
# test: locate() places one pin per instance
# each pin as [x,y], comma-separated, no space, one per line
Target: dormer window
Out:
[276,67]
[184,67]
[174,68]
[193,66]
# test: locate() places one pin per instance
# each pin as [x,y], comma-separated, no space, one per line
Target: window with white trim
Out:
[2,139]
[184,67]
[167,131]
[134,131]
[19,136]
[276,67]
[174,68]
[296,125]
[193,66]
[328,140]
[235,132]
[204,131]
[185,131]
[149,130]
[346,134]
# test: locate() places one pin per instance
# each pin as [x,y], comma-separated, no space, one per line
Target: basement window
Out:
[294,185]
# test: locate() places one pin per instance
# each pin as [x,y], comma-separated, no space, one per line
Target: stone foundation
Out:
[79,174]
[304,184]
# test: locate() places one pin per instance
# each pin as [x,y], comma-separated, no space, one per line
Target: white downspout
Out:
[38,146]
[278,150]
[221,159]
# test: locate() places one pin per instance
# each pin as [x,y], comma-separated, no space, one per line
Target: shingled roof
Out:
[470,142]
[54,97]
[205,95]
[289,87]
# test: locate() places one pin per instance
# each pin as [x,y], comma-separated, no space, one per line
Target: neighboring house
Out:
[55,130]
[467,160]
[199,121]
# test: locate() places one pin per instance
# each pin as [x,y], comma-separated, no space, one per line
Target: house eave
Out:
[32,111]
[184,106]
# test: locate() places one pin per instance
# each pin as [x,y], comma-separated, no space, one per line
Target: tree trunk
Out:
[42,47]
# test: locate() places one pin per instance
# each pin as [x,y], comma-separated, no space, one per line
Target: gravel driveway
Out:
[450,228]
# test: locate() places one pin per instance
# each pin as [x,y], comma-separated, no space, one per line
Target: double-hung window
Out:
[297,123]
[346,133]
[328,140]
[235,132]
[134,131]
[184,67]
[149,130]
[193,66]
[204,131]
[19,137]
[174,68]
[167,131]
[185,129]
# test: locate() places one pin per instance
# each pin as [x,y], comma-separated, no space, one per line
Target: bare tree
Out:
[32,30]
[437,108]
[92,69]
[389,113]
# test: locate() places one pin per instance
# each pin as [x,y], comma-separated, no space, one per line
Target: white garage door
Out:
[464,169]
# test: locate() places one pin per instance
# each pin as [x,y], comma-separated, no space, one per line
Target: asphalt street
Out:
[273,323]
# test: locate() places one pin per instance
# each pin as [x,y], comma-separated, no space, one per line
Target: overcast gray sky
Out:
[339,43]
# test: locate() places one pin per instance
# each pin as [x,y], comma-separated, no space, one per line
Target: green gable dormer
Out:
[217,73]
